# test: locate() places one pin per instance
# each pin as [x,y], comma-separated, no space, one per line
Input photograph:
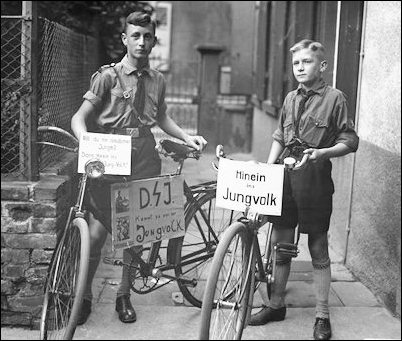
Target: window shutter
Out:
[276,53]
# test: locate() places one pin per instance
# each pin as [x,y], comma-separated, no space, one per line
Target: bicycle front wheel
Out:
[194,252]
[66,283]
[228,287]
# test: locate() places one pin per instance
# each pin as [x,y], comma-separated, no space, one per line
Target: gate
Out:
[181,96]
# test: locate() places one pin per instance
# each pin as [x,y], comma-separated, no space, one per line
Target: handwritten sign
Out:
[145,211]
[113,150]
[243,183]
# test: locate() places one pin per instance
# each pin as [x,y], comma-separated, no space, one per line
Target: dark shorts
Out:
[307,199]
[145,163]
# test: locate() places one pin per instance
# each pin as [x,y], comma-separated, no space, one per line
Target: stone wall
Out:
[31,215]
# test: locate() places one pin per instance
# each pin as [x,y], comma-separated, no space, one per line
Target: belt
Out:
[133,132]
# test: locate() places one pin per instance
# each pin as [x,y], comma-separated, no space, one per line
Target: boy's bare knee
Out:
[321,263]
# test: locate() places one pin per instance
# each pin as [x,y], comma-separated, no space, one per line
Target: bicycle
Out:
[188,256]
[238,269]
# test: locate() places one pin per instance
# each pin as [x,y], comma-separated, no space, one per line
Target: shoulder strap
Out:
[126,94]
[103,67]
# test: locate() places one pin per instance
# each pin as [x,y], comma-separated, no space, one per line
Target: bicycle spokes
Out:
[230,293]
[61,286]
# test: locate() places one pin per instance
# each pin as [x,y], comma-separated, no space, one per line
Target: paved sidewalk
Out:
[163,314]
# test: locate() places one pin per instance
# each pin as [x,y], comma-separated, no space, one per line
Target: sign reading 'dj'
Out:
[245,183]
[113,150]
[147,210]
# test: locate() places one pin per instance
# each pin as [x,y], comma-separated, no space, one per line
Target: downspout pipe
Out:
[357,112]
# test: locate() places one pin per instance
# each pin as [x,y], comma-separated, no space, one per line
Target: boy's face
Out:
[139,40]
[307,66]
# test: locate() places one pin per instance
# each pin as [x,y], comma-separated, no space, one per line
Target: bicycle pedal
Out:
[112,261]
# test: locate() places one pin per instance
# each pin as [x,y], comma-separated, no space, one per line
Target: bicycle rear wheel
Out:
[194,252]
[66,283]
[228,287]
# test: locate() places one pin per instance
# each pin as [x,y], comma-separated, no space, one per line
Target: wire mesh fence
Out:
[15,95]
[67,61]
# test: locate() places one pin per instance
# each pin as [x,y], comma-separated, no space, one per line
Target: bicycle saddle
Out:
[179,149]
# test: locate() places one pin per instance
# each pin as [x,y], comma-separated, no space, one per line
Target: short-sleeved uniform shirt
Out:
[308,192]
[113,111]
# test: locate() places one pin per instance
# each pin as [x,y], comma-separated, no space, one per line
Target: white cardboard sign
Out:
[148,210]
[113,150]
[244,183]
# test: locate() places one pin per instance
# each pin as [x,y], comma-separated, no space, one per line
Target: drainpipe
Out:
[358,95]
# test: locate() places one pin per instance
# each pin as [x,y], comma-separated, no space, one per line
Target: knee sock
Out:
[322,283]
[278,287]
[92,267]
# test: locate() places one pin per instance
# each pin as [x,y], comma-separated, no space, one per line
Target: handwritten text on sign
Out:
[153,211]
[113,150]
[245,183]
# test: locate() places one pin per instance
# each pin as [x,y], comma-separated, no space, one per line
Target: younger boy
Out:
[313,119]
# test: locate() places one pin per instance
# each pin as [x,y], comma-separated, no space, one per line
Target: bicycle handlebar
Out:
[177,151]
[290,163]
[73,139]
[59,130]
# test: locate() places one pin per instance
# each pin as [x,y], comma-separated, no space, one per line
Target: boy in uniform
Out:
[126,98]
[314,127]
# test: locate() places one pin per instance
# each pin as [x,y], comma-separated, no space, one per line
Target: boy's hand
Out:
[302,164]
[315,155]
[197,142]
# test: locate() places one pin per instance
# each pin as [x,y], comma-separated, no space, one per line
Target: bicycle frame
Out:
[148,267]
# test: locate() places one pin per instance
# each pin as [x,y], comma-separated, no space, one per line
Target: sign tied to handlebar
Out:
[244,183]
[114,151]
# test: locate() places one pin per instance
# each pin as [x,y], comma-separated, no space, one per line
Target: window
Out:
[279,25]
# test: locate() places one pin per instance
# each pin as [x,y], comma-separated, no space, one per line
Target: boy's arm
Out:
[170,127]
[340,149]
[276,150]
[79,120]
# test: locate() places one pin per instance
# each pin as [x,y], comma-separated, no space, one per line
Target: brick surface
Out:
[43,225]
[14,190]
[28,241]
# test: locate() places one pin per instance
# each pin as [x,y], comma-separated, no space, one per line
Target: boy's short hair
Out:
[314,46]
[139,18]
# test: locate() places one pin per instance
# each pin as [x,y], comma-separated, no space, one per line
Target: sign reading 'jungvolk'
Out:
[248,183]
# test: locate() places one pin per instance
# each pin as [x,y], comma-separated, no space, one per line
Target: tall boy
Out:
[313,117]
[127,98]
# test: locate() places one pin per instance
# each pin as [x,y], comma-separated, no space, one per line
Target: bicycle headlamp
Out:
[94,169]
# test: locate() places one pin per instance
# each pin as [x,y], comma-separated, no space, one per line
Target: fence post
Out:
[29,76]
[208,115]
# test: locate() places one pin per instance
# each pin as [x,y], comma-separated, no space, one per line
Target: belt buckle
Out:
[133,132]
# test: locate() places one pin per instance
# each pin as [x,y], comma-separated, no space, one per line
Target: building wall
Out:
[373,252]
[225,23]
[242,41]
[31,213]
[199,22]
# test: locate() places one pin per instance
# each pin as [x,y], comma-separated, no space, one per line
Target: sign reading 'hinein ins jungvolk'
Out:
[247,183]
